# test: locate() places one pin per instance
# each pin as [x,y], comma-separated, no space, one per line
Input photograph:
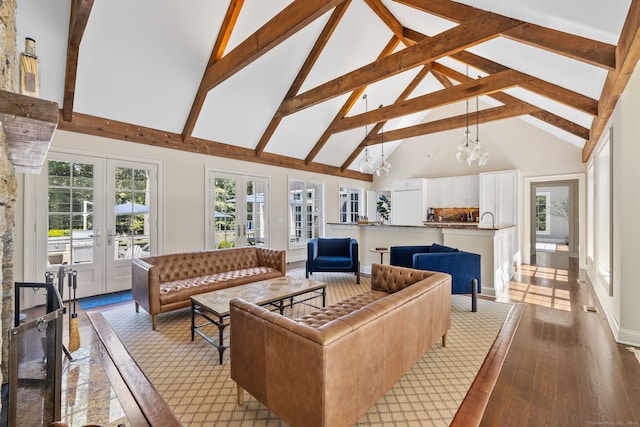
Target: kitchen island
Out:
[498,246]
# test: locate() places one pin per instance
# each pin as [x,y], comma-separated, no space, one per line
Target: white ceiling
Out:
[141,62]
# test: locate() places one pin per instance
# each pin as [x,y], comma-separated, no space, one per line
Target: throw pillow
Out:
[440,248]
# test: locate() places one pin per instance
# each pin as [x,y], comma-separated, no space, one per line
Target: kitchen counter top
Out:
[435,224]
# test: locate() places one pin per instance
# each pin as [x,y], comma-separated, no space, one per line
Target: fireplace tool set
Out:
[72,281]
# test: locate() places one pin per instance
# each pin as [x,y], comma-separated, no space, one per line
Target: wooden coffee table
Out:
[278,293]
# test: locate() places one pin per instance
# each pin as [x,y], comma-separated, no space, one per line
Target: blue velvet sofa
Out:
[464,267]
[333,255]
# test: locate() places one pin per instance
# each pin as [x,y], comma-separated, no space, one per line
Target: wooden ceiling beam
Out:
[228,24]
[442,79]
[564,96]
[446,43]
[456,122]
[387,17]
[376,128]
[311,59]
[590,51]
[91,125]
[628,55]
[290,20]
[493,83]
[550,118]
[80,12]
[348,105]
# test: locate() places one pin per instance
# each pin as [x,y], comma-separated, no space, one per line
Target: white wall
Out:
[621,308]
[183,195]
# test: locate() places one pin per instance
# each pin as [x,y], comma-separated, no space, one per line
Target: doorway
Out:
[554,218]
[95,214]
[237,210]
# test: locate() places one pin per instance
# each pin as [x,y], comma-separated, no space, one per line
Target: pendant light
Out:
[478,155]
[383,167]
[470,151]
[366,163]
[463,150]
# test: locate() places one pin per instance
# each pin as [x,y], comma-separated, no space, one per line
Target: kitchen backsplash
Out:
[455,214]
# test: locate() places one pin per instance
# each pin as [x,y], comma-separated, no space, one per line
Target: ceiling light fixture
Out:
[463,150]
[384,166]
[366,164]
[479,156]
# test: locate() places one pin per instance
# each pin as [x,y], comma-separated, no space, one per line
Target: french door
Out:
[95,215]
[237,210]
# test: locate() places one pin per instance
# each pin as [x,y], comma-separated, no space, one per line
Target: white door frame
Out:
[35,195]
[243,178]
[527,220]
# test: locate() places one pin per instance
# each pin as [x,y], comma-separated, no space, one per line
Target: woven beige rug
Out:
[201,392]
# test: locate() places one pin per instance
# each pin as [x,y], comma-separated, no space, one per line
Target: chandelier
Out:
[468,150]
[366,164]
[383,167]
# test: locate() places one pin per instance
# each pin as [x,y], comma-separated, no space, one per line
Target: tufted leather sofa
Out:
[167,282]
[328,368]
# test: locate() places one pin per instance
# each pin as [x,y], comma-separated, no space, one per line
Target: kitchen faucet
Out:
[493,219]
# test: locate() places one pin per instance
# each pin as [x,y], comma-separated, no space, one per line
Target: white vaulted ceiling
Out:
[142,70]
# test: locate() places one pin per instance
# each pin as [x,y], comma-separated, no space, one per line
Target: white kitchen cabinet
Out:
[409,202]
[439,192]
[464,192]
[499,196]
[453,192]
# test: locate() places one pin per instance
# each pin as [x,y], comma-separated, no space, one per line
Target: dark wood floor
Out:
[564,367]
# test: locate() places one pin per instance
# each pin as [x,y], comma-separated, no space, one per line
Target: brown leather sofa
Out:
[328,368]
[167,282]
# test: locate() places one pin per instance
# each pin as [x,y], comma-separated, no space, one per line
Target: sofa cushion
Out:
[327,261]
[339,247]
[327,314]
[440,248]
[181,290]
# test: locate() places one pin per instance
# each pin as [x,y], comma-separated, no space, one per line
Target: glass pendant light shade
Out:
[468,150]
[366,164]
[464,148]
[383,168]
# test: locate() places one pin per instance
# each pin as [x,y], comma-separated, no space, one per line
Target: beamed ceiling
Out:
[282,82]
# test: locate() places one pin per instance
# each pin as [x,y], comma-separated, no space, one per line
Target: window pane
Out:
[305,212]
[70,213]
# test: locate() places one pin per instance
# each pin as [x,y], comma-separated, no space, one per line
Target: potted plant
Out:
[383,207]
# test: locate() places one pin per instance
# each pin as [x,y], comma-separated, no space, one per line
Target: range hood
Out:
[29,124]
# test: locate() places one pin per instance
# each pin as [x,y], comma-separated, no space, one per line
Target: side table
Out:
[380,251]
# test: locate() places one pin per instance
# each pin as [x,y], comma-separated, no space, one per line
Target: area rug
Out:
[201,392]
[106,299]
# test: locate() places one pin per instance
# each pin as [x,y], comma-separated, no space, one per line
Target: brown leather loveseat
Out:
[328,368]
[166,282]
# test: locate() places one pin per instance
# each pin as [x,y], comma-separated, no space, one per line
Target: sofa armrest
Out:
[402,256]
[353,251]
[145,285]
[272,258]
[312,249]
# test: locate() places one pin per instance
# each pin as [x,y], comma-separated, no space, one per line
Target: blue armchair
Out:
[333,254]
[464,267]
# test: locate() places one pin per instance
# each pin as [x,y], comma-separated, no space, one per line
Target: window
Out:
[350,204]
[590,213]
[603,211]
[305,212]
[542,213]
